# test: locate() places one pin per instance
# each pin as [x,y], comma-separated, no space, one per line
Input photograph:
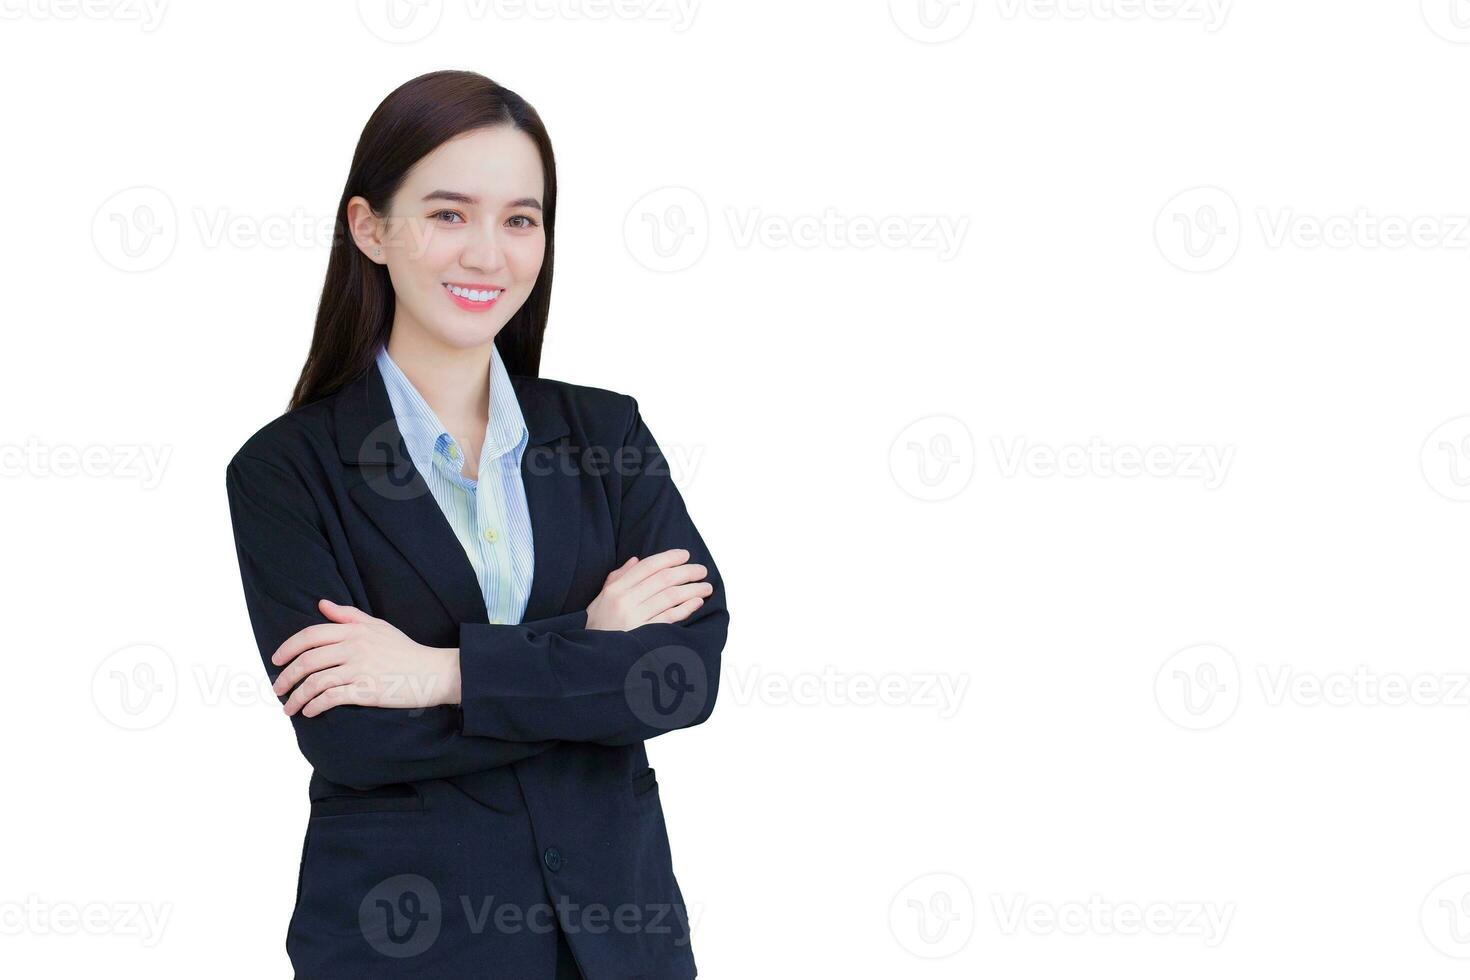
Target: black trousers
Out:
[566,966]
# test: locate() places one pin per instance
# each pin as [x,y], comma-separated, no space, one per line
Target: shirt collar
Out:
[424,434]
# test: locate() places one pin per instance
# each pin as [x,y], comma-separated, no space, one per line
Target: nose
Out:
[482,250]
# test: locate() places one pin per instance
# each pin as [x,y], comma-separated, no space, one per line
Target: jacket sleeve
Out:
[287,565]
[612,687]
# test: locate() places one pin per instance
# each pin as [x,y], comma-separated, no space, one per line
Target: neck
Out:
[455,381]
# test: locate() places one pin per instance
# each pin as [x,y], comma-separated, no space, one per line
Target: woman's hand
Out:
[662,588]
[360,659]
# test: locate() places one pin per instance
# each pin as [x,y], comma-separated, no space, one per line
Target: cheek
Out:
[524,257]
[433,254]
[412,276]
[420,247]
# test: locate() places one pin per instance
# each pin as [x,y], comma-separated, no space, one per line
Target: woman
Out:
[477,591]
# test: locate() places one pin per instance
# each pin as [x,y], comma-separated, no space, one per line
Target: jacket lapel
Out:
[388,488]
[550,473]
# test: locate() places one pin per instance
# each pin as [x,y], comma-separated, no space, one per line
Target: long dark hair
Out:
[355,313]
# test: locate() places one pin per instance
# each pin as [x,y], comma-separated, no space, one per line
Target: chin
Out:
[458,330]
[461,337]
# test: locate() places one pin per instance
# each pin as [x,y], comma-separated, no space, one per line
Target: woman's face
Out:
[463,239]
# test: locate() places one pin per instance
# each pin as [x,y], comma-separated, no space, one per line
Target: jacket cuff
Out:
[490,672]
[558,624]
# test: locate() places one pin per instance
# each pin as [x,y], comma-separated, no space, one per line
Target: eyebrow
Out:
[520,202]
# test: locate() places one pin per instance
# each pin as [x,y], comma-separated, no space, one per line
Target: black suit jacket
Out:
[452,841]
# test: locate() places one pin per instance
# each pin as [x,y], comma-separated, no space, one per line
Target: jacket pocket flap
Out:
[643,782]
[387,799]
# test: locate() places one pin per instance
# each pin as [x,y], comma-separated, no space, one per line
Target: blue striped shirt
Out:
[489,515]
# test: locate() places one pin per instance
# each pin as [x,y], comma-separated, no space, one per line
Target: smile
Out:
[473,297]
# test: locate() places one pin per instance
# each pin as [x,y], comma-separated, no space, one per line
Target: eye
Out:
[454,213]
[530,222]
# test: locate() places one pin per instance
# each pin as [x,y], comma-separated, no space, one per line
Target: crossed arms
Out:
[507,692]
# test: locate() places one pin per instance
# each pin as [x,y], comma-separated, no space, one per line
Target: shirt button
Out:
[552,857]
[490,535]
[453,451]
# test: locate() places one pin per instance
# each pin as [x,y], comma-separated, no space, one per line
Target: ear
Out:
[368,230]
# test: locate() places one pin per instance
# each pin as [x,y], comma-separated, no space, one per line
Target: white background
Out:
[1225,700]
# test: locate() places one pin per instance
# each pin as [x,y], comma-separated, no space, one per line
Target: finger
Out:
[304,639]
[309,662]
[315,685]
[654,564]
[330,698]
[654,584]
[342,614]
[682,611]
[613,575]
[673,596]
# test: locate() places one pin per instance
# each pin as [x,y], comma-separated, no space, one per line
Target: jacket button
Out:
[552,857]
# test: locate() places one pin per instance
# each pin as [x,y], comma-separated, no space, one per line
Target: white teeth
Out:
[475,295]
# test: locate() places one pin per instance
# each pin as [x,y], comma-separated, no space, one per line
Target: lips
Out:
[475,297]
